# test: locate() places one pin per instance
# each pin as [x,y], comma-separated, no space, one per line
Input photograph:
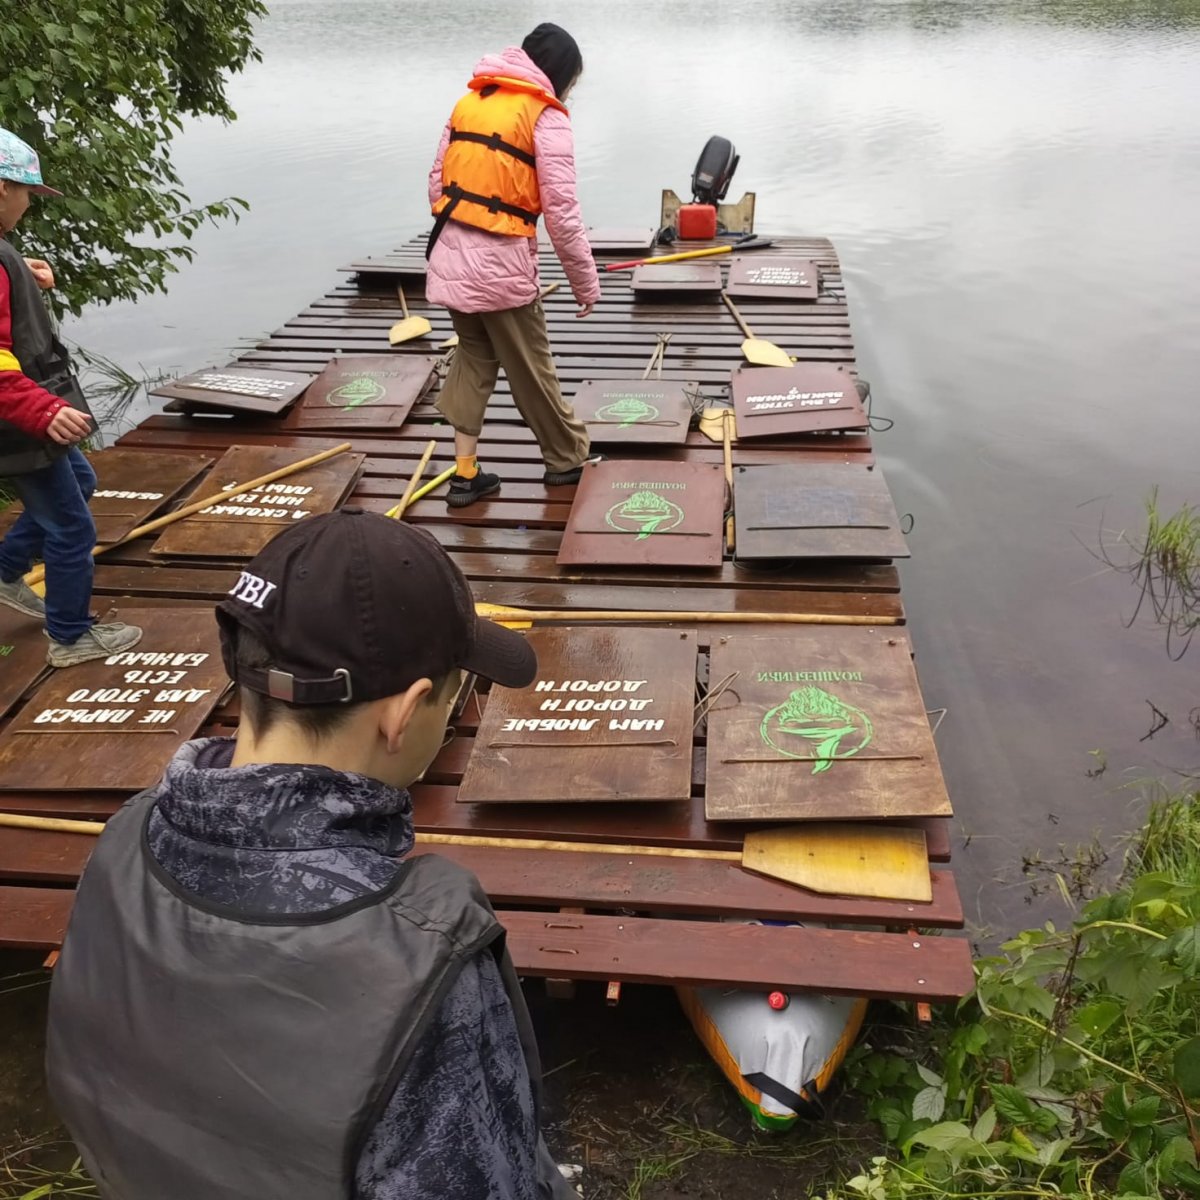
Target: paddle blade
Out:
[712,424]
[765,354]
[887,862]
[409,328]
[451,341]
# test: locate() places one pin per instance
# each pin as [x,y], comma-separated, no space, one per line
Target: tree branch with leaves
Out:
[100,90]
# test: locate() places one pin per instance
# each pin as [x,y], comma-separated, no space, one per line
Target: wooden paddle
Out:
[523,618]
[683,255]
[452,340]
[406,499]
[757,351]
[409,328]
[423,490]
[38,574]
[843,859]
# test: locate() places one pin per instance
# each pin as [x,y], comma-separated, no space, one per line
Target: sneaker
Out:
[558,478]
[22,597]
[467,491]
[99,642]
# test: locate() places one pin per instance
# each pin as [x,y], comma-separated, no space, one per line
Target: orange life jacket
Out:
[489,173]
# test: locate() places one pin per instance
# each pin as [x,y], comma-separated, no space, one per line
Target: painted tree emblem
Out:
[362,389]
[644,513]
[629,410]
[813,723]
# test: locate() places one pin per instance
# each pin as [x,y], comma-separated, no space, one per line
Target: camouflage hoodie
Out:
[298,838]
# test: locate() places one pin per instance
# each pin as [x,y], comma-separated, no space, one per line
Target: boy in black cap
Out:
[260,995]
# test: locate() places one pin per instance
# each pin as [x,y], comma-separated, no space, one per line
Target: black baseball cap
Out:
[355,606]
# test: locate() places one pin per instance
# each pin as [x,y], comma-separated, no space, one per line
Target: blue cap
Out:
[19,164]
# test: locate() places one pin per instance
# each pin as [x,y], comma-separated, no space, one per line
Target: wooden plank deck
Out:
[506,546]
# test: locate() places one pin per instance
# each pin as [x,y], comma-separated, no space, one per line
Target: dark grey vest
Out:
[296,1026]
[43,358]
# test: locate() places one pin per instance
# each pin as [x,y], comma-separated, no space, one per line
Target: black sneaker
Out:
[558,478]
[467,491]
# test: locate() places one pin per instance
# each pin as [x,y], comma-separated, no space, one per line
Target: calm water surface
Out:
[1013,189]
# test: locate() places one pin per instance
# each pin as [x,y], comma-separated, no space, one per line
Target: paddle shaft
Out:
[406,499]
[737,316]
[668,258]
[500,612]
[39,573]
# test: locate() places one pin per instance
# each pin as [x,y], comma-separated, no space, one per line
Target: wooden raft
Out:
[568,915]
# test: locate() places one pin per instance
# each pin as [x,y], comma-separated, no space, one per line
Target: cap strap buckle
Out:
[282,685]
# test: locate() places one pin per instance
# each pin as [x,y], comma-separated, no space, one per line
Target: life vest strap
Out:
[492,203]
[494,142]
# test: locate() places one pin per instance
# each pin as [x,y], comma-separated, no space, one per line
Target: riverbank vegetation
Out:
[100,91]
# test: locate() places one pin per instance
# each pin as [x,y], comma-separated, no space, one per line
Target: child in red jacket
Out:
[43,417]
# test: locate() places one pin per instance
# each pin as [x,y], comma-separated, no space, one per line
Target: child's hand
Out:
[68,426]
[42,272]
[585,310]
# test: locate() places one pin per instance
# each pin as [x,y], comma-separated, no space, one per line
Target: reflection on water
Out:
[1012,188]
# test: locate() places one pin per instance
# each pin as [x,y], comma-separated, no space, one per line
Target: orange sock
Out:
[467,468]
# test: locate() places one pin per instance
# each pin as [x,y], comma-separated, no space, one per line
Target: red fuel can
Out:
[697,222]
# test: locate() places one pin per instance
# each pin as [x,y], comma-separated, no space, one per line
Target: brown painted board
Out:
[241,528]
[22,657]
[778,277]
[820,722]
[726,954]
[815,510]
[784,401]
[621,411]
[609,717]
[649,512]
[685,277]
[131,486]
[113,725]
[237,389]
[368,392]
[619,239]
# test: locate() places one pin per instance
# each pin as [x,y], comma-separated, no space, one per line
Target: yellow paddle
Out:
[757,351]
[843,859]
[523,618]
[410,327]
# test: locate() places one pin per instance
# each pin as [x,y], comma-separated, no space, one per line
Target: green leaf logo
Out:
[644,513]
[362,389]
[814,723]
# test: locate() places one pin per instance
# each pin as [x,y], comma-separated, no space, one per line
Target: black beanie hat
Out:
[556,54]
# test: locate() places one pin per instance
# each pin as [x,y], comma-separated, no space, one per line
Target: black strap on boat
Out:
[491,203]
[805,1103]
[494,141]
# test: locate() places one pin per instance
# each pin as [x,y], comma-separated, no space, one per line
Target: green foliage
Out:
[1074,1068]
[100,90]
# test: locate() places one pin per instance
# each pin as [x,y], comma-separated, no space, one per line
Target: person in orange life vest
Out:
[43,417]
[507,157]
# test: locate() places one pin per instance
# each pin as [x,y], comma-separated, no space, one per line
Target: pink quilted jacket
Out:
[472,270]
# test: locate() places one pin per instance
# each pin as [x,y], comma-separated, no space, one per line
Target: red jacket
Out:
[23,403]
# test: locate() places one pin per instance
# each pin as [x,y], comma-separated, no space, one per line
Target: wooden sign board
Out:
[237,389]
[685,277]
[660,513]
[820,722]
[609,717]
[621,239]
[113,724]
[364,392]
[244,525]
[131,486]
[808,398]
[620,411]
[22,655]
[777,277]
[815,510]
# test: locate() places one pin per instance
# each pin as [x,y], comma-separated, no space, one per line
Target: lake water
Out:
[1013,190]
